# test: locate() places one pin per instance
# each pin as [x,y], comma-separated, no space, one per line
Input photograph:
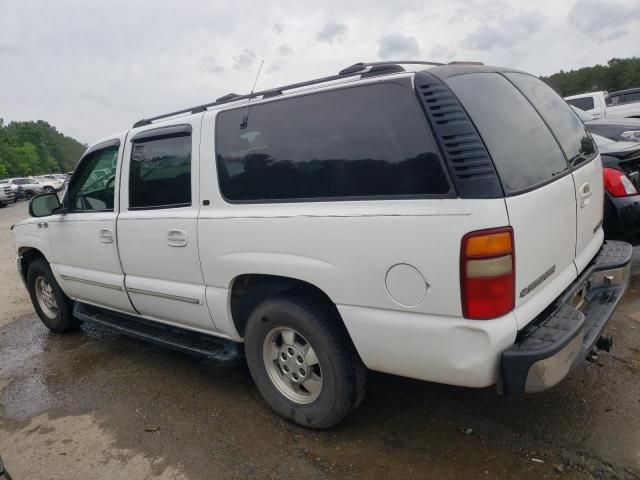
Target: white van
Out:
[442,223]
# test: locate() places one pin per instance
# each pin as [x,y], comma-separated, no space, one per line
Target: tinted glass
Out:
[93,184]
[585,103]
[522,147]
[20,181]
[632,97]
[366,141]
[160,175]
[564,123]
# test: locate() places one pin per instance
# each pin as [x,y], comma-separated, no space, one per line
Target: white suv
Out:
[443,223]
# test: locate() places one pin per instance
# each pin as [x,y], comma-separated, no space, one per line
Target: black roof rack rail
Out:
[358,67]
[353,70]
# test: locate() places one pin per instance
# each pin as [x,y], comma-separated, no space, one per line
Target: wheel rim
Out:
[292,365]
[46,298]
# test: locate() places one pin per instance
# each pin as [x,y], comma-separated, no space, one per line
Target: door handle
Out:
[106,235]
[585,194]
[177,238]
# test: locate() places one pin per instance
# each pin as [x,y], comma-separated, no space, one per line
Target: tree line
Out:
[34,148]
[617,74]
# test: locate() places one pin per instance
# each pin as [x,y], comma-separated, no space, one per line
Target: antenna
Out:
[245,117]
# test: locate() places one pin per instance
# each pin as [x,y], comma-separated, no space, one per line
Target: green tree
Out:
[617,74]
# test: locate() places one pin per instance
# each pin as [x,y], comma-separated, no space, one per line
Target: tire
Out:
[2,205]
[51,304]
[48,189]
[339,368]
[28,194]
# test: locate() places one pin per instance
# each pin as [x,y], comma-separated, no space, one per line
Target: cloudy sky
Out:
[94,67]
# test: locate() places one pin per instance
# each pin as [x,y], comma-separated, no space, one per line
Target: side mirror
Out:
[44,205]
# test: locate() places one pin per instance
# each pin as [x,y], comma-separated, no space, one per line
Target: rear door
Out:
[580,151]
[539,189]
[157,225]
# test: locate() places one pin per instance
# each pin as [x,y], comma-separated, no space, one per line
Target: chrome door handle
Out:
[177,238]
[585,194]
[106,235]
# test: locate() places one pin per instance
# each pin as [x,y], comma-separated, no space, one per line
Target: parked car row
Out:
[14,189]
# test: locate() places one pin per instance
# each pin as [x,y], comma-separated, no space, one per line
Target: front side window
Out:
[368,141]
[563,122]
[160,174]
[93,184]
[522,148]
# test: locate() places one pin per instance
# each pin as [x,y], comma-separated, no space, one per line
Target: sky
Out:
[92,68]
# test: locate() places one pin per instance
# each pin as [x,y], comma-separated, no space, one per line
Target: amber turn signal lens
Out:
[490,244]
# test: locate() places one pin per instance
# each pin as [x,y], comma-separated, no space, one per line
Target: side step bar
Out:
[195,343]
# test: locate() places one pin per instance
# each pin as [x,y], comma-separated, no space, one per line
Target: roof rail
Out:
[358,67]
[378,68]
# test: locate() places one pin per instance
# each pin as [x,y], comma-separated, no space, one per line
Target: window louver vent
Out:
[466,156]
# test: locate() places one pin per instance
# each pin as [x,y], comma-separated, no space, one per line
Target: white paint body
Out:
[404,321]
[602,110]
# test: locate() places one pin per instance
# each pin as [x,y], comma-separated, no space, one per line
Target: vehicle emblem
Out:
[533,285]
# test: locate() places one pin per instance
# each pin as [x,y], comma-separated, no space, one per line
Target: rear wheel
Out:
[303,362]
[51,304]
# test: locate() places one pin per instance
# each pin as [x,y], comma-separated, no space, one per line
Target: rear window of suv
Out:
[522,148]
[357,142]
[563,122]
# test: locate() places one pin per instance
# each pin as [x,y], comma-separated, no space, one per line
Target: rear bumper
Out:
[548,348]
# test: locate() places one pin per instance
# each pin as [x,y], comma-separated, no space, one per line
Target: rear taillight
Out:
[617,183]
[487,273]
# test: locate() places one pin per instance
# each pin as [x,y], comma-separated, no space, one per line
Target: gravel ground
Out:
[94,404]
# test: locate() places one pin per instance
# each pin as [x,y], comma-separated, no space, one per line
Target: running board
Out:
[209,346]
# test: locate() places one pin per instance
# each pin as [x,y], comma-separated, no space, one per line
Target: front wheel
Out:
[48,189]
[303,362]
[51,304]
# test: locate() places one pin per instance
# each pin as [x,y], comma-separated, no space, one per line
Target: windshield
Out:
[584,116]
[601,141]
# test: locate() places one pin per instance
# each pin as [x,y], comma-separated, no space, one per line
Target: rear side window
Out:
[523,150]
[585,103]
[368,141]
[564,123]
[160,175]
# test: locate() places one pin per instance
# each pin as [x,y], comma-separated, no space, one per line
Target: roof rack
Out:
[375,68]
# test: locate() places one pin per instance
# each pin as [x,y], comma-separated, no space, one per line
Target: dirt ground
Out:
[94,404]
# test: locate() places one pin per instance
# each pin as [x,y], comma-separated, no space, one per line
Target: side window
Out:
[632,97]
[93,184]
[369,141]
[522,148]
[584,103]
[564,123]
[160,174]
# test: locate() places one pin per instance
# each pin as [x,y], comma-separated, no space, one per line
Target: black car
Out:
[622,129]
[621,172]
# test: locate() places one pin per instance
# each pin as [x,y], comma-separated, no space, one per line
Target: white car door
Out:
[581,154]
[84,254]
[157,226]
